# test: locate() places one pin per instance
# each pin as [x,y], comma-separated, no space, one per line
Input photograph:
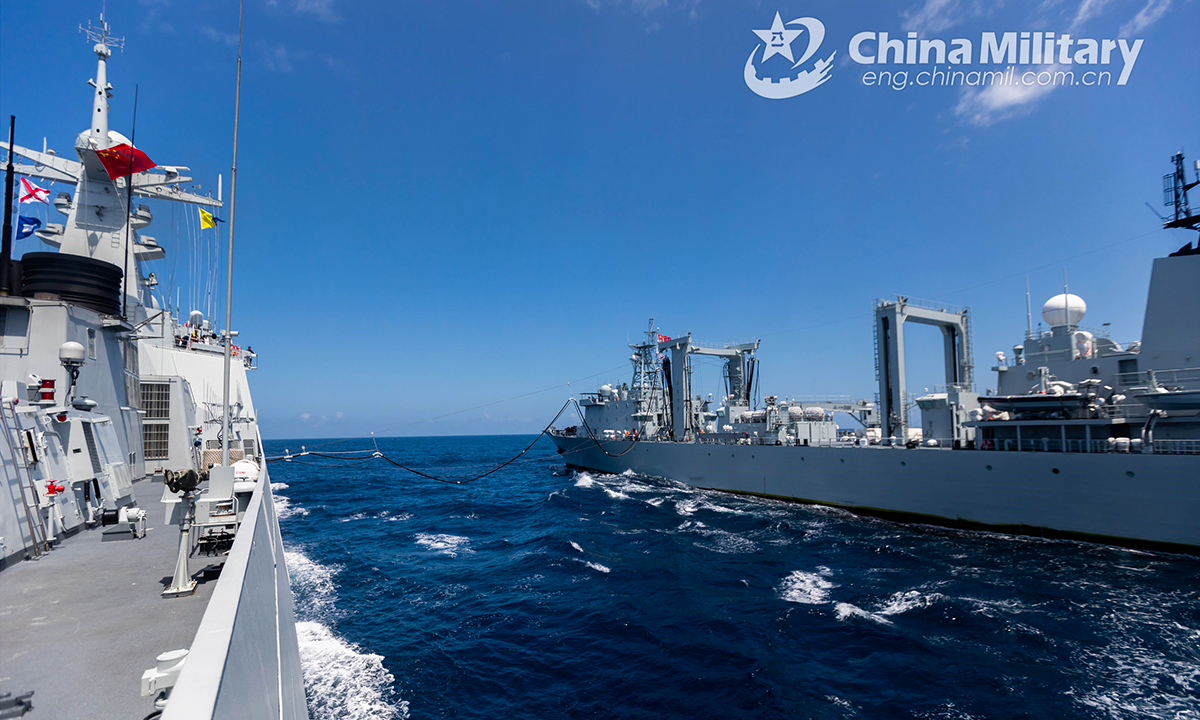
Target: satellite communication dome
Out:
[1064,309]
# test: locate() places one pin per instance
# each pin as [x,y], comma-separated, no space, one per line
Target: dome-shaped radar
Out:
[1064,309]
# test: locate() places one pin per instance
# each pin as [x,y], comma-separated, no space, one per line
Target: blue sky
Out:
[444,205]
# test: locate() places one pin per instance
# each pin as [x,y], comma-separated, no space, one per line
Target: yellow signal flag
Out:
[208,220]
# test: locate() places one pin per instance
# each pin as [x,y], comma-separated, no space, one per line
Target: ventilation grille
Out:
[91,443]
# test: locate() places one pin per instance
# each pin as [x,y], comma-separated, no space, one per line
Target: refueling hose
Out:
[360,457]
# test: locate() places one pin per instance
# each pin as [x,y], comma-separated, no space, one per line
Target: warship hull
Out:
[1131,499]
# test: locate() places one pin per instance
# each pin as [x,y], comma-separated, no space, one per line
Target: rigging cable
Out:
[451,480]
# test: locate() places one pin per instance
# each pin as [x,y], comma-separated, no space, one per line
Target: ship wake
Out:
[341,680]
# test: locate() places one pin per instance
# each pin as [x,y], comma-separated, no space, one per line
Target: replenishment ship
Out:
[144,573]
[1082,438]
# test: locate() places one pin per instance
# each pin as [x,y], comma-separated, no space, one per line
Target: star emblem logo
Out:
[778,40]
[775,83]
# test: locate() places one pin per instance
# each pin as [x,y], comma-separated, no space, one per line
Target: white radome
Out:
[1064,309]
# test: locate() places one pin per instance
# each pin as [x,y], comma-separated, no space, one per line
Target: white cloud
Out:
[1146,17]
[1087,10]
[650,7]
[218,36]
[276,57]
[305,416]
[937,15]
[323,9]
[990,105]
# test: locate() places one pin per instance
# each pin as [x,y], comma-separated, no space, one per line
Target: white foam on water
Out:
[721,541]
[449,545]
[902,602]
[845,611]
[1133,676]
[355,516]
[598,566]
[996,608]
[312,584]
[689,507]
[806,588]
[584,480]
[686,507]
[279,486]
[284,508]
[341,681]
[575,545]
[615,494]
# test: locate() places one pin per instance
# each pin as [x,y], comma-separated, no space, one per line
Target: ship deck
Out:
[81,625]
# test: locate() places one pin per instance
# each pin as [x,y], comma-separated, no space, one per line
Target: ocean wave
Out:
[597,566]
[276,486]
[285,509]
[689,507]
[902,602]
[807,588]
[586,480]
[721,541]
[384,515]
[845,611]
[341,681]
[575,545]
[449,545]
[312,585]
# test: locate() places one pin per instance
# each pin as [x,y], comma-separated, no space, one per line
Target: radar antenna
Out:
[1175,190]
[100,35]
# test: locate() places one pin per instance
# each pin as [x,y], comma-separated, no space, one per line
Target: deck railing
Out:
[245,660]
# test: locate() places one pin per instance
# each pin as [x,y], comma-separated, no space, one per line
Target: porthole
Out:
[1054,470]
[1129,474]
[989,467]
[842,461]
[903,464]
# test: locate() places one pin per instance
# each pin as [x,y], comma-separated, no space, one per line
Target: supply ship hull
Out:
[1138,500]
[1081,437]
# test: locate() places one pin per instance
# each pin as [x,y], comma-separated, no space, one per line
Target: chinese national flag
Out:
[125,159]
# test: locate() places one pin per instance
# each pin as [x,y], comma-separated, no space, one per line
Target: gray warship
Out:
[1082,437]
[143,568]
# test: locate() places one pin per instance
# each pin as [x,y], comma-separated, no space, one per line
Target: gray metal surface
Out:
[1125,498]
[93,397]
[80,625]
[1086,438]
[245,661]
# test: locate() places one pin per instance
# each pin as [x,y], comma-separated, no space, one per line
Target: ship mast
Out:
[237,98]
[98,127]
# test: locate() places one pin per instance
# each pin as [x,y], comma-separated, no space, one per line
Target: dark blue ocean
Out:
[542,593]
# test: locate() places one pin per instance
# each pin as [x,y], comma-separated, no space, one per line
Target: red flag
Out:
[125,159]
[664,338]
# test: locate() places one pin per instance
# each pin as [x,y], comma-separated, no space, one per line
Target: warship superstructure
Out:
[1083,437]
[143,569]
